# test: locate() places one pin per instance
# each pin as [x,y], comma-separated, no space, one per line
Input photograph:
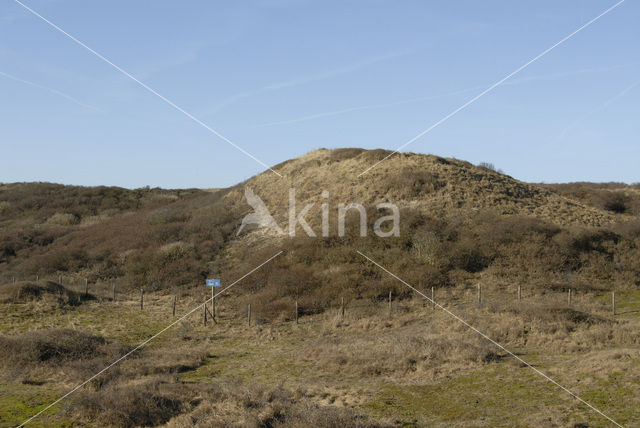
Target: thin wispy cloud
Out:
[299,81]
[541,77]
[600,108]
[51,90]
[368,107]
[562,75]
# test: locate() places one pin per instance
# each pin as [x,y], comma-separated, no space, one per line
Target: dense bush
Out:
[54,347]
[229,403]
[469,256]
[617,202]
[613,197]
[26,291]
[407,183]
[175,239]
[147,403]
[338,155]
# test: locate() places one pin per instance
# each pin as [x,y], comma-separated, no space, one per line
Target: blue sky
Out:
[281,78]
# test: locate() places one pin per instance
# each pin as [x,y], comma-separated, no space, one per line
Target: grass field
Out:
[414,367]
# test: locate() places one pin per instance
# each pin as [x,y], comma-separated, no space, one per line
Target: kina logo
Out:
[260,216]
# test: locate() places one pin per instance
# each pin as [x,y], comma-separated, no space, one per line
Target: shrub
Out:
[60,259]
[629,229]
[516,229]
[586,240]
[53,347]
[487,165]
[338,155]
[466,255]
[614,201]
[428,247]
[376,155]
[27,291]
[62,219]
[166,216]
[147,403]
[413,182]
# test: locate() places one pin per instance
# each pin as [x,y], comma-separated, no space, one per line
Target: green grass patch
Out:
[20,402]
[496,395]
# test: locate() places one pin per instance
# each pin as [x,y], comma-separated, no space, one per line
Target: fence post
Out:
[296,312]
[433,298]
[479,294]
[390,303]
[174,305]
[613,302]
[204,311]
[86,287]
[141,298]
[569,297]
[213,304]
[13,279]
[37,277]
[519,292]
[60,279]
[342,308]
[249,315]
[114,291]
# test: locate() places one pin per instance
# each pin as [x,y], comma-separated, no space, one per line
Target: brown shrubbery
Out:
[63,352]
[229,403]
[148,403]
[161,239]
[25,291]
[407,183]
[615,197]
[338,155]
[439,253]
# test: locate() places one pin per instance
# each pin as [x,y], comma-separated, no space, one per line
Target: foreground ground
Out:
[411,366]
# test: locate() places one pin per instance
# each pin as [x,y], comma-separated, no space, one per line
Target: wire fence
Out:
[226,307]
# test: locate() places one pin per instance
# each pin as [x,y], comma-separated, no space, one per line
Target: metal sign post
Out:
[213,283]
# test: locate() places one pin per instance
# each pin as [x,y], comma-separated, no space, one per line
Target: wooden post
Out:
[13,279]
[342,309]
[86,287]
[389,303]
[204,307]
[249,314]
[174,305]
[433,298]
[569,297]
[296,312]
[37,277]
[141,298]
[60,279]
[114,291]
[213,304]
[613,302]
[519,293]
[479,294]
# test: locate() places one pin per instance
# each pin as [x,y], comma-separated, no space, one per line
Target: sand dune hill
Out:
[161,237]
[434,185]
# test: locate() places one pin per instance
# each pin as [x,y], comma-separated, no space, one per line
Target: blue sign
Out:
[213,283]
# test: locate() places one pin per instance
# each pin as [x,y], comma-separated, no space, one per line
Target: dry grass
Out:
[62,354]
[25,291]
[328,371]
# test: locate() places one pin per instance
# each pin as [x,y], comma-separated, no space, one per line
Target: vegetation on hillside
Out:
[482,224]
[460,225]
